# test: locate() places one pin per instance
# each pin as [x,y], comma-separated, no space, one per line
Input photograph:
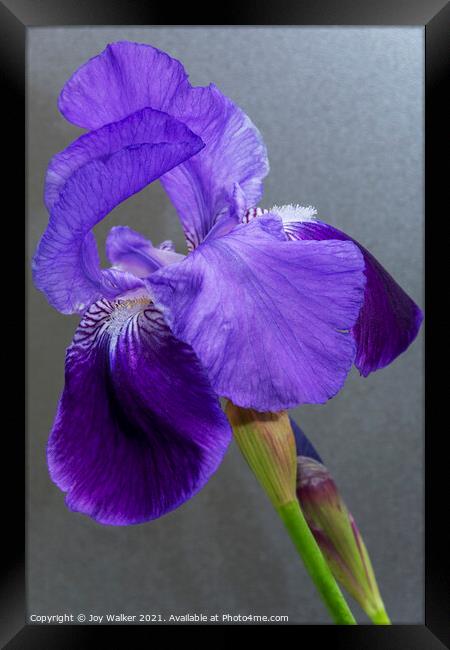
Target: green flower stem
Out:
[267,443]
[381,618]
[292,517]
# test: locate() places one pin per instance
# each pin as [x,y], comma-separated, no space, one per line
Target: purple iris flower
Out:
[269,308]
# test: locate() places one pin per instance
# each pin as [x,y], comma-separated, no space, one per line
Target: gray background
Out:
[341,111]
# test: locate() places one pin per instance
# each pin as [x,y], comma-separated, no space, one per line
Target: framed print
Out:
[262,240]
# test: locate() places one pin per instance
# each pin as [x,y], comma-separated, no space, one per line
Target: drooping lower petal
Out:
[138,429]
[127,77]
[389,320]
[66,265]
[252,304]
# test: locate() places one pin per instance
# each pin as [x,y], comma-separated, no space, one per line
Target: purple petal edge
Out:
[389,320]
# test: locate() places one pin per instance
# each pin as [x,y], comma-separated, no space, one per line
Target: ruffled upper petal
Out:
[129,251]
[204,188]
[146,126]
[127,77]
[122,79]
[251,304]
[122,160]
[389,320]
[138,429]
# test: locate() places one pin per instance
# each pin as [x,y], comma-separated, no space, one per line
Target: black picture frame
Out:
[16,16]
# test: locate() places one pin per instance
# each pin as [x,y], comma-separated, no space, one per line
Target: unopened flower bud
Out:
[337,535]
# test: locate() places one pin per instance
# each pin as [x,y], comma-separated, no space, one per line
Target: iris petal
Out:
[138,429]
[127,77]
[122,79]
[66,266]
[203,189]
[129,251]
[389,320]
[268,318]
[146,126]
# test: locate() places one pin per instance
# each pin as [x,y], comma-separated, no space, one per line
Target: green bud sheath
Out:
[267,442]
[268,445]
